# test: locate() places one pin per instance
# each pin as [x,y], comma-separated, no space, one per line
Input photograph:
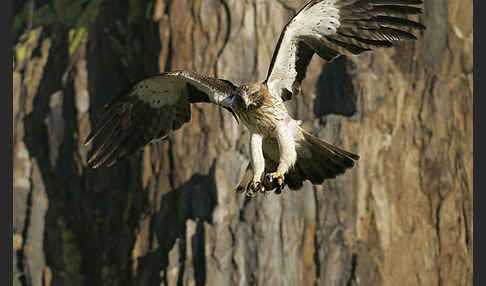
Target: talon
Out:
[275,176]
[250,193]
[258,187]
[239,189]
[253,188]
[276,181]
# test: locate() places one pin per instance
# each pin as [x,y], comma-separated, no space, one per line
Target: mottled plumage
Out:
[281,152]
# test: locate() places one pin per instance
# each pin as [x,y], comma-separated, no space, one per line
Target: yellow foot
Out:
[254,187]
[277,180]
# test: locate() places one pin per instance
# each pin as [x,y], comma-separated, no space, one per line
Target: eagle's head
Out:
[251,96]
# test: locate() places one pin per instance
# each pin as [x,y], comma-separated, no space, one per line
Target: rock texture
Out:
[166,216]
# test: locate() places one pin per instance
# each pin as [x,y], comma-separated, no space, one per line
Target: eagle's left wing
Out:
[150,110]
[336,27]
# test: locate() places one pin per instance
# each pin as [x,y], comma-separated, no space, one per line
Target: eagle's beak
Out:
[246,101]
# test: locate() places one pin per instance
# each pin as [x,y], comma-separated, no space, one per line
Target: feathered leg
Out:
[288,154]
[257,162]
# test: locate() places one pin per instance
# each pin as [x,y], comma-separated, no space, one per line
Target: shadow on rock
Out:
[190,205]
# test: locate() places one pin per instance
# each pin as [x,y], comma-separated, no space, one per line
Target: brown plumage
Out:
[281,152]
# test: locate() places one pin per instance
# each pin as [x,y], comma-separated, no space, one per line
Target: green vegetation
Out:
[75,15]
[16,278]
[71,256]
[23,48]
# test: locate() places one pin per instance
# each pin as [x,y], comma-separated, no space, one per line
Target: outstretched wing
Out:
[336,27]
[149,111]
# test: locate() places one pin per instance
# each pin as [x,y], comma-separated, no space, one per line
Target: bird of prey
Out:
[281,152]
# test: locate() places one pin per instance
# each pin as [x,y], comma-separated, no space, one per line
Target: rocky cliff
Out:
[167,216]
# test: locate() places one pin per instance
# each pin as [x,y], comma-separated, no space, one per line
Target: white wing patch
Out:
[316,21]
[320,20]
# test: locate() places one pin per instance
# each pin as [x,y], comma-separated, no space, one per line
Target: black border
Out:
[7,119]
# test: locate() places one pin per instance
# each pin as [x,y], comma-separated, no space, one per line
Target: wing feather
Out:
[151,109]
[331,28]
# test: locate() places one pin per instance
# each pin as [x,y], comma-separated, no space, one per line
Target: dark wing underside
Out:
[149,111]
[333,28]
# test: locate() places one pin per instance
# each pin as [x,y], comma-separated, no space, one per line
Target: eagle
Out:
[282,153]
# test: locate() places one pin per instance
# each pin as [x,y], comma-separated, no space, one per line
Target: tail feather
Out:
[326,161]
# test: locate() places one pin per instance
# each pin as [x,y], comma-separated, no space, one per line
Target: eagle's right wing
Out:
[150,110]
[336,27]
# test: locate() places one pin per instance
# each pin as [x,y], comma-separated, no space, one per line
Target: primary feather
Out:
[331,28]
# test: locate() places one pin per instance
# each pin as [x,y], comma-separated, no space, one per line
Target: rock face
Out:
[167,216]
